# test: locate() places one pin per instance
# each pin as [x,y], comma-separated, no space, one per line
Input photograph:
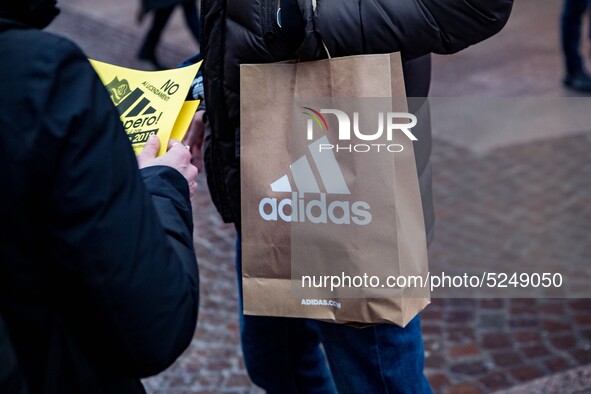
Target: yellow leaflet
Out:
[149,102]
[184,119]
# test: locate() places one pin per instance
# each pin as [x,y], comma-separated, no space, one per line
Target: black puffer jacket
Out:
[245,31]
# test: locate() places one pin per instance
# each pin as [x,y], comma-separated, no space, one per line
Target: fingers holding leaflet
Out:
[149,152]
[177,157]
[180,159]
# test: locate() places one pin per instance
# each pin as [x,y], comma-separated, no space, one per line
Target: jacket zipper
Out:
[270,10]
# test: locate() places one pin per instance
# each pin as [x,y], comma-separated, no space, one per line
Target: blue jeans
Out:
[283,355]
[570,34]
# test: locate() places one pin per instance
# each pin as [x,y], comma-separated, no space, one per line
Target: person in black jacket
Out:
[284,355]
[570,39]
[98,276]
[162,10]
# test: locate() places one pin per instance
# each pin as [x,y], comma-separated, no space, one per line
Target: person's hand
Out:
[177,157]
[194,139]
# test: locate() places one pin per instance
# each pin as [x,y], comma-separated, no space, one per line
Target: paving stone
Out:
[432,314]
[552,326]
[522,310]
[429,329]
[557,364]
[528,372]
[583,319]
[438,382]
[582,305]
[527,337]
[464,304]
[494,303]
[535,352]
[506,358]
[491,321]
[551,309]
[495,381]
[464,388]
[586,334]
[435,361]
[457,334]
[583,356]
[564,342]
[459,317]
[524,323]
[469,368]
[464,350]
[437,303]
[496,341]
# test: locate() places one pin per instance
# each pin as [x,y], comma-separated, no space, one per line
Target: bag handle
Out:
[314,6]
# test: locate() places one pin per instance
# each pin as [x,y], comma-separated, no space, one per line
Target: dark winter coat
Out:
[245,31]
[98,277]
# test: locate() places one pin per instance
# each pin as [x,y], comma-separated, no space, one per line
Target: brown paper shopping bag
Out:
[332,224]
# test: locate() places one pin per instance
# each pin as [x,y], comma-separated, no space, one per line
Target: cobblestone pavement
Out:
[528,201]
[525,202]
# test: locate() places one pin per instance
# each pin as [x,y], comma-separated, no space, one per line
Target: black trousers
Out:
[570,34]
[161,16]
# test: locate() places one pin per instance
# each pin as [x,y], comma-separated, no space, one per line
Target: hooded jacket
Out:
[98,277]
[245,31]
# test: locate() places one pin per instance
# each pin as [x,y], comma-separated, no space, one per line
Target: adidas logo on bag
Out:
[298,209]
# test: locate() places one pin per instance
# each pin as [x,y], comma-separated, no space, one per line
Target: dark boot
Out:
[580,82]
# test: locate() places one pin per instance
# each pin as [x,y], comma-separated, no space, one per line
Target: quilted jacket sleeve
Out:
[413,27]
